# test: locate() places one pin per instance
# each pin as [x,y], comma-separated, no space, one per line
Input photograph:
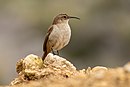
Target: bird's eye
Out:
[65,17]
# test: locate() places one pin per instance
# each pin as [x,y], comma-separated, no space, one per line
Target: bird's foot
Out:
[55,53]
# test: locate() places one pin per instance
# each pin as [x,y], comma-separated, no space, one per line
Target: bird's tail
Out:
[44,55]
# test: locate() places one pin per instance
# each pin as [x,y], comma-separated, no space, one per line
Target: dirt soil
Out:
[56,71]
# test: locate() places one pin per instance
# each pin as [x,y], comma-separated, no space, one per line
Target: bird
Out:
[58,34]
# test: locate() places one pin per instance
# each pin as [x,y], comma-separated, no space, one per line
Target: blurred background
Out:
[101,37]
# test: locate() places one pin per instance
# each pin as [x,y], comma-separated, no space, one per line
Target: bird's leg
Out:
[53,52]
[58,53]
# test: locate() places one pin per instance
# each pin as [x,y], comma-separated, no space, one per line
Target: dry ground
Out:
[56,71]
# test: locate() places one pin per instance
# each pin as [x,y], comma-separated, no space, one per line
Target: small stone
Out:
[98,68]
[127,67]
[32,62]
[88,70]
[98,72]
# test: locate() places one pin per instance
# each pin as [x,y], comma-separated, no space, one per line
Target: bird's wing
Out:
[46,38]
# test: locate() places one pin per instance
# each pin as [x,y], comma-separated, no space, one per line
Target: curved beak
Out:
[74,17]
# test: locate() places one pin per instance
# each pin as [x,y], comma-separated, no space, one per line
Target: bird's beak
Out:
[74,17]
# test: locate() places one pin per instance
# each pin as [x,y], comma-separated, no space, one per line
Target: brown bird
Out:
[58,35]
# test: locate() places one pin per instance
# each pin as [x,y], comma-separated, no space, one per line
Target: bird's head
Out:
[63,18]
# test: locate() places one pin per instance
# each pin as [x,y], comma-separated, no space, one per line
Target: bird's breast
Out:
[61,36]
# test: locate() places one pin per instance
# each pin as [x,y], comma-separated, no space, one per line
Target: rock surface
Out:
[33,68]
[56,71]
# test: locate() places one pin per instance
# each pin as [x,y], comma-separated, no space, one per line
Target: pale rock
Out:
[127,67]
[98,72]
[58,62]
